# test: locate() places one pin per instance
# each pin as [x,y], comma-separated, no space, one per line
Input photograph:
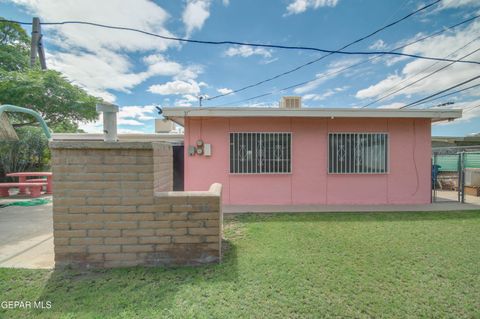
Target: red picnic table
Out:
[22,178]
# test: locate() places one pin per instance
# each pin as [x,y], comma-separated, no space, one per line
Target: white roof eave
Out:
[177,114]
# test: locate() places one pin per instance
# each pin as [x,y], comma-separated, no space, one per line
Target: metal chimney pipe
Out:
[109,121]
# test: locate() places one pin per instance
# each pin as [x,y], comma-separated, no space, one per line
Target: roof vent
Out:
[291,102]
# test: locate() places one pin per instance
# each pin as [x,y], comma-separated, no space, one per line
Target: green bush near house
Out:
[339,265]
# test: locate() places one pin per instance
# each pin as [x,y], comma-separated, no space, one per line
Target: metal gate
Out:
[448,174]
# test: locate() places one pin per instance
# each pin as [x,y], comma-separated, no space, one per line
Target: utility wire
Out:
[323,75]
[443,91]
[429,74]
[326,55]
[417,73]
[452,93]
[471,108]
[243,43]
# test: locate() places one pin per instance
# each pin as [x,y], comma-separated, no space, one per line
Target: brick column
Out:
[113,207]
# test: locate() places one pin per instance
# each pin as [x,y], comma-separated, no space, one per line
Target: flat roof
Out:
[178,114]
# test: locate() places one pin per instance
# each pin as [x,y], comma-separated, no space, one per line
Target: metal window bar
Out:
[260,153]
[358,153]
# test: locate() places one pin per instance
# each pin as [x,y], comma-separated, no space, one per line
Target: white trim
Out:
[177,114]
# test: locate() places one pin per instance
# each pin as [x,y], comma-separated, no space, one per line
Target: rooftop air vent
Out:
[291,102]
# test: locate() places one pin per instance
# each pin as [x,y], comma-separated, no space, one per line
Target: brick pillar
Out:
[113,207]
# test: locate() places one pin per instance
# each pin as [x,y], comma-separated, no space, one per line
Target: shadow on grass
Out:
[121,292]
[354,216]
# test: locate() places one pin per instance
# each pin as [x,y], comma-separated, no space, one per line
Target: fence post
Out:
[462,172]
[434,177]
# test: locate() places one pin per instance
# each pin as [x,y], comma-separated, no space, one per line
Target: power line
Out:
[471,108]
[434,34]
[452,93]
[326,55]
[428,75]
[274,46]
[417,73]
[443,91]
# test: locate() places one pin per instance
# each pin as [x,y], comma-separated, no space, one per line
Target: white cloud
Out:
[183,102]
[189,73]
[176,87]
[459,3]
[97,59]
[299,6]
[226,2]
[470,112]
[128,115]
[140,14]
[92,127]
[439,46]
[330,73]
[378,45]
[323,96]
[377,89]
[224,91]
[318,97]
[246,51]
[142,113]
[108,70]
[186,100]
[395,105]
[195,14]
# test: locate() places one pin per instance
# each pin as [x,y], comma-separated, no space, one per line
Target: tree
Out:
[14,47]
[61,103]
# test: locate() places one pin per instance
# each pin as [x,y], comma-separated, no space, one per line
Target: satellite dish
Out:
[7,132]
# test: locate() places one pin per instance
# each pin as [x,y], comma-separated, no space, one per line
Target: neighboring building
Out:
[456,141]
[284,156]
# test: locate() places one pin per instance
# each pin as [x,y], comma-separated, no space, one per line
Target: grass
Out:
[383,265]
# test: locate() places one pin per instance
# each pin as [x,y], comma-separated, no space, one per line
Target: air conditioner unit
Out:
[164,126]
[291,102]
[472,177]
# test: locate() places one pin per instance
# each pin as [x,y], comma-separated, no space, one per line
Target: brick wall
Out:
[113,207]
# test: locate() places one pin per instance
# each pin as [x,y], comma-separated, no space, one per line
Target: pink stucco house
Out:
[310,156]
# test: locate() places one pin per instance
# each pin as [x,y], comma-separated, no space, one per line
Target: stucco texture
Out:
[407,182]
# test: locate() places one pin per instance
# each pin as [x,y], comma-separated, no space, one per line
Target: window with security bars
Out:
[260,153]
[357,153]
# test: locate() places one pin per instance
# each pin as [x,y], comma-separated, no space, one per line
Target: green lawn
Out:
[362,265]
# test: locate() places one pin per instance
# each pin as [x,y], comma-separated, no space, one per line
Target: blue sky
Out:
[138,72]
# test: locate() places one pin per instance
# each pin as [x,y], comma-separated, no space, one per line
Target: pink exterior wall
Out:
[407,182]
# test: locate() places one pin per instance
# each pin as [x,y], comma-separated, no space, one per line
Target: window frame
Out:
[387,153]
[290,167]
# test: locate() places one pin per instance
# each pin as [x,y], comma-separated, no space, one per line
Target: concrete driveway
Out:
[26,237]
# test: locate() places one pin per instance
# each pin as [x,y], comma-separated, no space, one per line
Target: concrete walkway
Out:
[446,202]
[26,237]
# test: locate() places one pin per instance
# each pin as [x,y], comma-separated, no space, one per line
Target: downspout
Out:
[18,109]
